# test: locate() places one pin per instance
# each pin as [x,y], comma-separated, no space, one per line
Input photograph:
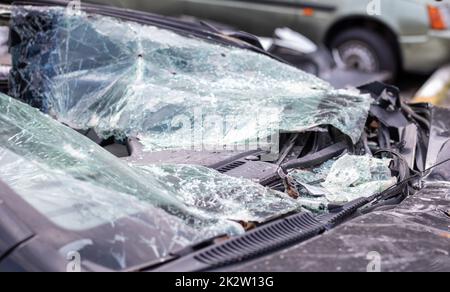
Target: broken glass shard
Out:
[203,188]
[345,179]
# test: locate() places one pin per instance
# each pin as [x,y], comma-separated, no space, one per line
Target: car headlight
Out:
[439,16]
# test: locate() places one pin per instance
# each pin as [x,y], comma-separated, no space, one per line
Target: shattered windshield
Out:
[172,91]
[80,186]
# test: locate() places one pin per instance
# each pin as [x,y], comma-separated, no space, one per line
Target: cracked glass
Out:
[169,89]
[141,212]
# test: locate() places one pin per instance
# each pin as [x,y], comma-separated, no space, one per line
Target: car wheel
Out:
[365,50]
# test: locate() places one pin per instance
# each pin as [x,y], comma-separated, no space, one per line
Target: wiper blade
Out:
[258,242]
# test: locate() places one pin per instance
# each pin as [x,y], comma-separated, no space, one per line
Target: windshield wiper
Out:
[282,233]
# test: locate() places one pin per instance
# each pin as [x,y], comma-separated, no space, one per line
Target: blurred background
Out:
[346,42]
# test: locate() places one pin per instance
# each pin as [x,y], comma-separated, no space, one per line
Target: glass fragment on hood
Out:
[203,188]
[345,179]
[173,91]
[80,186]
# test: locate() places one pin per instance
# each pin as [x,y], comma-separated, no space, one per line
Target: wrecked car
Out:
[139,143]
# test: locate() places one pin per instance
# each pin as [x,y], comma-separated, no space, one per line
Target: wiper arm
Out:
[317,157]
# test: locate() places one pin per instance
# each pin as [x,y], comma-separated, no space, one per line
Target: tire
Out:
[366,50]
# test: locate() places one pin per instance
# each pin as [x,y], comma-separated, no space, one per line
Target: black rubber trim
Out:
[240,156]
[318,157]
[15,247]
[264,240]
[346,211]
[261,241]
